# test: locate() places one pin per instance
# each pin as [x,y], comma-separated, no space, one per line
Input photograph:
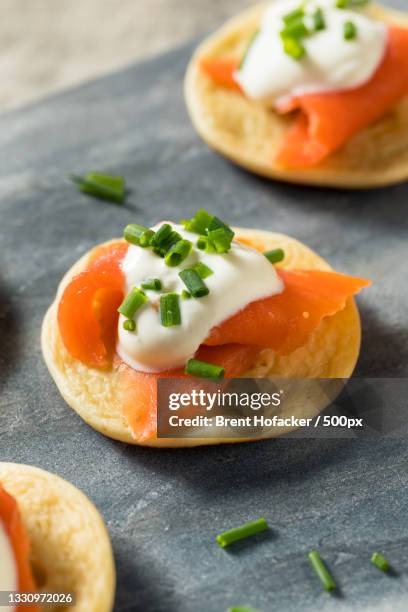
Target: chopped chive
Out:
[202,270]
[205,244]
[185,295]
[294,15]
[154,284]
[199,223]
[202,369]
[244,531]
[350,30]
[379,561]
[160,236]
[104,186]
[194,283]
[341,4]
[241,609]
[216,223]
[296,29]
[275,255]
[170,310]
[294,48]
[321,570]
[178,253]
[129,325]
[132,302]
[138,234]
[319,22]
[220,239]
[167,243]
[248,47]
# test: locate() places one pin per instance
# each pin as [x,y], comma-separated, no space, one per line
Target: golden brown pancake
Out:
[70,547]
[330,352]
[250,135]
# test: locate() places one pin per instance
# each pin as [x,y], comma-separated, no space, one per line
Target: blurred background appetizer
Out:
[310,92]
[52,541]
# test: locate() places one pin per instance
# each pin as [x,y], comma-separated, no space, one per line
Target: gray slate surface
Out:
[162,509]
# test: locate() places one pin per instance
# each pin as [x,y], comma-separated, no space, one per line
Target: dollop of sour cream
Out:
[8,571]
[330,63]
[239,277]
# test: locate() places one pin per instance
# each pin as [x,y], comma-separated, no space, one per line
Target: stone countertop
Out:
[163,508]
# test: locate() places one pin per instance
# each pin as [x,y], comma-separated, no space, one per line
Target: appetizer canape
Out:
[52,541]
[310,92]
[196,298]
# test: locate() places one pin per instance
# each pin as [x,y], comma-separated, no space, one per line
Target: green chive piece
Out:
[167,243]
[154,284]
[242,609]
[160,236]
[294,15]
[178,253]
[185,295]
[104,186]
[202,270]
[244,531]
[319,20]
[220,239]
[350,30]
[294,48]
[341,4]
[296,29]
[216,223]
[170,310]
[321,570]
[194,283]
[204,244]
[129,325]
[199,223]
[248,47]
[275,255]
[379,561]
[132,302]
[202,369]
[138,234]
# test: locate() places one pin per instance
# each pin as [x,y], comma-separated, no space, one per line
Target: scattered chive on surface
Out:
[296,30]
[185,295]
[379,561]
[132,302]
[104,186]
[202,270]
[275,255]
[178,253]
[202,369]
[138,234]
[170,314]
[154,284]
[129,325]
[242,532]
[350,30]
[294,15]
[199,223]
[241,609]
[194,283]
[321,570]
[216,223]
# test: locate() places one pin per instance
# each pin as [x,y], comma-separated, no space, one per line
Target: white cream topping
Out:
[8,571]
[331,62]
[239,277]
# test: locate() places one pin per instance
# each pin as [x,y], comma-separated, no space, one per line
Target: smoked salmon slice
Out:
[327,121]
[283,322]
[11,519]
[87,312]
[139,401]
